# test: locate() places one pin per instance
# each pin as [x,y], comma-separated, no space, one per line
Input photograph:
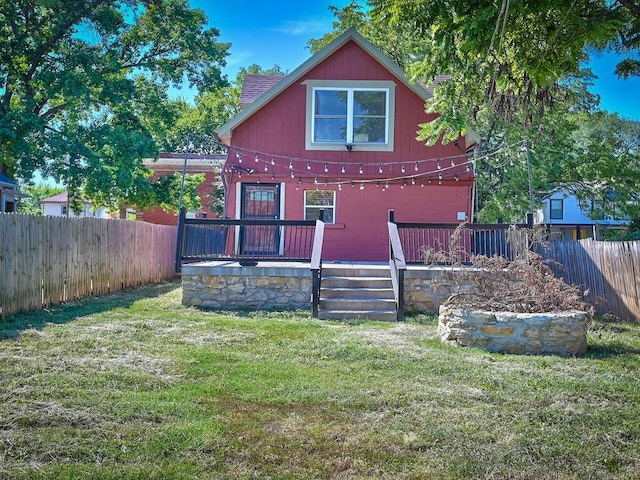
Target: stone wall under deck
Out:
[229,285]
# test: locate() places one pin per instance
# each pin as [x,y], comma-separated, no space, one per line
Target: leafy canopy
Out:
[83,88]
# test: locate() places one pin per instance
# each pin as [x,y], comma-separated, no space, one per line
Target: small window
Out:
[63,210]
[316,200]
[555,209]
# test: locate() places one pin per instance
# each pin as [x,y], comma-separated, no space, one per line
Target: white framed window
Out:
[355,113]
[316,200]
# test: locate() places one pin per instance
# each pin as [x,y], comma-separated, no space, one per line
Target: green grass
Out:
[136,386]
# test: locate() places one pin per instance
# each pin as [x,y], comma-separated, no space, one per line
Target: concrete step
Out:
[369,304]
[355,282]
[352,291]
[385,292]
[355,270]
[379,315]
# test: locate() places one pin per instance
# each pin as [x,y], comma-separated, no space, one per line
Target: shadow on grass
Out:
[609,339]
[12,326]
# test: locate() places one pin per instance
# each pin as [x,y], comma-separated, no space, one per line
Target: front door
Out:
[260,201]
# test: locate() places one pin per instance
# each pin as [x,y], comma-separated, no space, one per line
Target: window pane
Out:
[330,130]
[319,197]
[331,102]
[369,130]
[369,103]
[312,213]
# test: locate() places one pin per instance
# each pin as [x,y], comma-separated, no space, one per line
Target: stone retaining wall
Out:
[556,333]
[260,287]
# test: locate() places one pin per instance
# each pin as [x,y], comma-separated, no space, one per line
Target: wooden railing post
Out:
[180,240]
[316,266]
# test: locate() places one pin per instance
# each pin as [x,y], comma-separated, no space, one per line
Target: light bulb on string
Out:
[340,186]
[416,167]
[404,184]
[453,164]
[361,169]
[273,162]
[439,176]
[439,167]
[380,169]
[239,157]
[291,164]
[326,168]
[293,175]
[402,169]
[362,186]
[413,181]
[343,169]
[266,167]
[308,165]
[257,159]
[315,180]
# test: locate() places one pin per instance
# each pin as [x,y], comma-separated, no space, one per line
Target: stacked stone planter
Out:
[554,333]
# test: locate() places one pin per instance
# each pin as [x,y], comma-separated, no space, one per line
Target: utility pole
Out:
[530,216]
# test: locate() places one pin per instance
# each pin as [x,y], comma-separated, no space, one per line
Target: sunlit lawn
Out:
[134,385]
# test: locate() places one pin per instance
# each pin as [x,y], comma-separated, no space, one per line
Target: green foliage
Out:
[36,193]
[84,88]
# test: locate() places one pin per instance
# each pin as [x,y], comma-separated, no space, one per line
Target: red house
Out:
[339,134]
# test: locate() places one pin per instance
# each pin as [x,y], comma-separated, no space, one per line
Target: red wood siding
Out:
[360,233]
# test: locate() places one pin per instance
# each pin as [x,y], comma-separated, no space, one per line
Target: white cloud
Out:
[303,27]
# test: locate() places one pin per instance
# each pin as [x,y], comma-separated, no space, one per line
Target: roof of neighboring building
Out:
[60,198]
[173,162]
[6,180]
[254,86]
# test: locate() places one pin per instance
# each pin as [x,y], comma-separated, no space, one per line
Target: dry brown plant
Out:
[525,284]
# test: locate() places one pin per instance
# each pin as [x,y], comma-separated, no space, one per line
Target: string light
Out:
[416,167]
[343,169]
[361,169]
[326,168]
[273,162]
[402,169]
[362,186]
[257,159]
[308,165]
[291,164]
[380,169]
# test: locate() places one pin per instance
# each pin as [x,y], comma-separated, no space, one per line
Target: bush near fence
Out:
[49,260]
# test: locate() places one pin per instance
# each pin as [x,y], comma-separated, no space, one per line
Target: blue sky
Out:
[269,32]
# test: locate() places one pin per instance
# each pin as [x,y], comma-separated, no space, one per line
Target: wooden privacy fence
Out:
[49,260]
[609,270]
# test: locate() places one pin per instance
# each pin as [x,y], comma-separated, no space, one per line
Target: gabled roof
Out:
[60,198]
[254,86]
[225,132]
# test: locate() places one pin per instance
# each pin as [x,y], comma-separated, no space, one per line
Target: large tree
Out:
[83,88]
[513,71]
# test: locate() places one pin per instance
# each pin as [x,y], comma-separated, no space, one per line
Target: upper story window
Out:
[357,113]
[556,209]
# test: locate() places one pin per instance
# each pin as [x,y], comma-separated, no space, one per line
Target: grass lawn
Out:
[135,385]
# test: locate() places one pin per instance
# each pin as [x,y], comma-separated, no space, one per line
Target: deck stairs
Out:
[352,291]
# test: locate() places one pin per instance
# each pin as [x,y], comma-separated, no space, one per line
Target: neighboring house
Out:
[168,163]
[9,195]
[569,220]
[339,134]
[58,206]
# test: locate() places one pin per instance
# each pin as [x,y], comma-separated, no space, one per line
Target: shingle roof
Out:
[254,86]
[6,180]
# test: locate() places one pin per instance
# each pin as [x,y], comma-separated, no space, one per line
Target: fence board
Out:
[49,260]
[610,271]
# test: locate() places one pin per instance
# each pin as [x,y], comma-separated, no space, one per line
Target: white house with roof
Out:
[58,206]
[568,219]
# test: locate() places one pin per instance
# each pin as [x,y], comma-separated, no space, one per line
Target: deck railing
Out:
[206,239]
[459,243]
[316,266]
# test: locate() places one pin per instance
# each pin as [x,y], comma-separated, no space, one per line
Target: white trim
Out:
[334,208]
